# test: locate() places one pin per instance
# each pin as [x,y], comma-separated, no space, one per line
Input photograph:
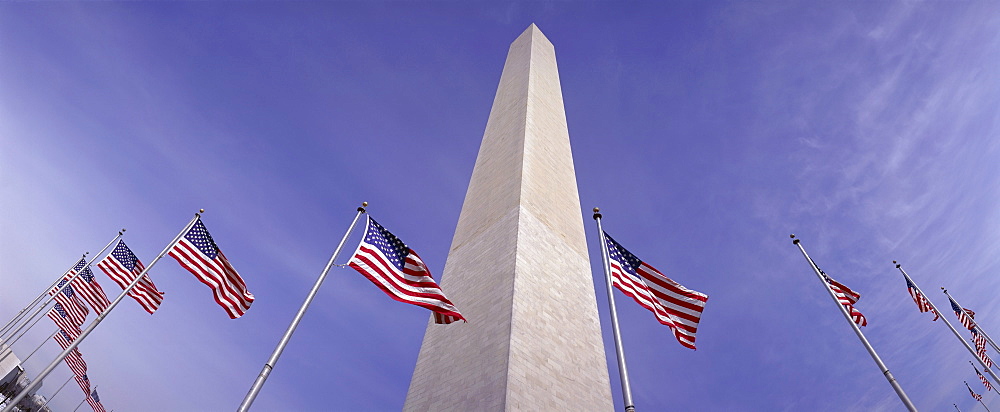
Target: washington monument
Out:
[518,266]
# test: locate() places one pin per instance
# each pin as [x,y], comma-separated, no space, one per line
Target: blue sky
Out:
[706,131]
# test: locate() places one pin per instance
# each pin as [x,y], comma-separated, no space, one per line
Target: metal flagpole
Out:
[984,405]
[259,382]
[980,396]
[622,370]
[976,325]
[68,282]
[100,317]
[49,398]
[953,330]
[10,345]
[10,350]
[871,351]
[35,302]
[956,408]
[84,399]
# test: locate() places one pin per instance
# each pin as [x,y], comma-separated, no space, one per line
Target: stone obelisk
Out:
[518,266]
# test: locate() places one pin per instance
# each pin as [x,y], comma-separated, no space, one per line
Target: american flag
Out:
[964,315]
[63,339]
[84,383]
[923,305]
[396,269]
[68,299]
[982,378]
[674,305]
[846,297]
[198,253]
[95,401]
[975,396]
[75,362]
[122,266]
[63,321]
[86,285]
[980,340]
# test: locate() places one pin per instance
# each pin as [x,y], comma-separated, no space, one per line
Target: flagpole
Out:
[953,330]
[85,398]
[11,344]
[37,298]
[269,366]
[980,396]
[974,324]
[68,282]
[871,351]
[622,370]
[100,316]
[956,407]
[32,352]
[49,398]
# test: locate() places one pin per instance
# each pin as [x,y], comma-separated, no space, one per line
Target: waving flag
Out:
[88,288]
[964,315]
[923,305]
[95,401]
[396,269]
[197,252]
[982,378]
[67,297]
[980,340]
[76,364]
[63,339]
[122,266]
[84,383]
[64,322]
[674,305]
[846,297]
[975,396]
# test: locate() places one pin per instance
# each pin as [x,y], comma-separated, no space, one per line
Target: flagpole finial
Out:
[794,240]
[363,206]
[597,213]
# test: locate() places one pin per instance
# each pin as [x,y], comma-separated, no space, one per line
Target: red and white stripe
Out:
[975,396]
[84,383]
[922,304]
[848,298]
[144,292]
[92,293]
[227,286]
[66,324]
[95,404]
[982,379]
[413,285]
[674,305]
[966,317]
[75,362]
[71,304]
[980,341]
[62,341]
